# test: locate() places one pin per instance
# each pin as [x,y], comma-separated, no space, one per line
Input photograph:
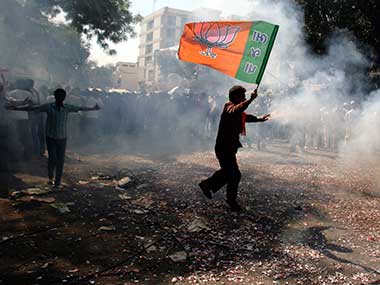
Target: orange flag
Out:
[239,49]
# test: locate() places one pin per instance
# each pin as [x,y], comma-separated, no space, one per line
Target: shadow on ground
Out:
[118,236]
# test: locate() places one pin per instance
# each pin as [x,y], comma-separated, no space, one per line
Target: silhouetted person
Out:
[232,124]
[56,131]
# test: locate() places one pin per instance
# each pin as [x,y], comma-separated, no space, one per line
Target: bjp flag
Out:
[239,49]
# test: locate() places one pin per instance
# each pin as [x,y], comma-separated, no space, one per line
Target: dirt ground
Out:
[309,218]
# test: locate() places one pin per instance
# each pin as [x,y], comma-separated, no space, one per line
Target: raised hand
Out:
[254,94]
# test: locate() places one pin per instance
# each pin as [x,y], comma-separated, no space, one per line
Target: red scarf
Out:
[243,130]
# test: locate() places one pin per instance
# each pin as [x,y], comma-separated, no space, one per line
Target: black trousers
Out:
[56,158]
[228,174]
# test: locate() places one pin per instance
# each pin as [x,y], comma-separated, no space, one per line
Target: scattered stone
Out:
[197,225]
[144,185]
[179,256]
[61,207]
[139,211]
[124,181]
[104,228]
[125,196]
[37,199]
[35,191]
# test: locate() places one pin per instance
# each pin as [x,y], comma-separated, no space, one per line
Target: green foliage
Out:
[34,46]
[106,20]
[99,77]
[323,18]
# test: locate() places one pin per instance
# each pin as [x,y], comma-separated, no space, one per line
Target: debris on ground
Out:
[197,225]
[139,211]
[36,199]
[145,201]
[125,196]
[179,256]
[124,181]
[150,248]
[35,191]
[303,224]
[104,228]
[141,186]
[61,207]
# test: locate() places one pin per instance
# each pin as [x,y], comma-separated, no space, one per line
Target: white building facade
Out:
[126,76]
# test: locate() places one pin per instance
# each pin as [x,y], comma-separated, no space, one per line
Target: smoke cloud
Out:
[311,94]
[315,92]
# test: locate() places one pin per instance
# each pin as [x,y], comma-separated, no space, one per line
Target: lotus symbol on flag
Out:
[213,35]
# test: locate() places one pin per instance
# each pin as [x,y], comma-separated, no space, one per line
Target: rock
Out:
[103,228]
[151,248]
[197,225]
[61,207]
[35,191]
[144,185]
[179,256]
[125,197]
[139,212]
[124,181]
[37,199]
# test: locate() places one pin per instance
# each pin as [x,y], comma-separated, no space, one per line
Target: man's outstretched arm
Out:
[28,108]
[84,109]
[254,119]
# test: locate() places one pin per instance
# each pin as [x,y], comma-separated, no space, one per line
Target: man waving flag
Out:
[239,49]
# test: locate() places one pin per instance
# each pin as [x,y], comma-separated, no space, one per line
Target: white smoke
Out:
[365,138]
[313,92]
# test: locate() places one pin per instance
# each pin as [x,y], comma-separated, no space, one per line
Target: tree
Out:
[106,20]
[33,45]
[361,18]
[99,77]
[30,44]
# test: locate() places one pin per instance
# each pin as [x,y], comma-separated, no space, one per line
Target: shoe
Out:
[57,185]
[235,207]
[51,182]
[206,191]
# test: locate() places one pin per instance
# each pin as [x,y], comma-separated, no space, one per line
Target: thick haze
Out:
[309,91]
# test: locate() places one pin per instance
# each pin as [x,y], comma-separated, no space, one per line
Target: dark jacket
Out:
[230,126]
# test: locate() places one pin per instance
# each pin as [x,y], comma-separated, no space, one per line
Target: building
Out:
[126,76]
[159,30]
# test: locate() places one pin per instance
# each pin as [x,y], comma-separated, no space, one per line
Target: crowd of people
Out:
[179,113]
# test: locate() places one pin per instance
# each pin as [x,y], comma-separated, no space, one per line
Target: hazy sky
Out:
[128,51]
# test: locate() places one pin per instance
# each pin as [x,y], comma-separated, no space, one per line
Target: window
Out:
[148,49]
[171,20]
[150,75]
[148,59]
[171,33]
[150,24]
[149,37]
